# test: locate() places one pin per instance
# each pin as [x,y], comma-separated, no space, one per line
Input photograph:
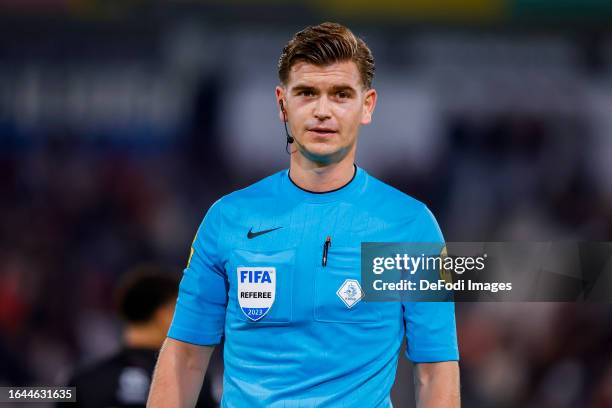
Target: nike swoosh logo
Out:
[251,234]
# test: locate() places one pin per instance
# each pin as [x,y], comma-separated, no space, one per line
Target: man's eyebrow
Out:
[334,88]
[343,87]
[302,87]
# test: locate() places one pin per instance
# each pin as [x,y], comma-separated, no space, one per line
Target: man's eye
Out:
[342,94]
[306,93]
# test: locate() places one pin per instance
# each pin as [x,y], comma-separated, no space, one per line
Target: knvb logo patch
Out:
[350,292]
[256,290]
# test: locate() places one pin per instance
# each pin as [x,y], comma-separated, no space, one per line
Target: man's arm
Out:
[437,384]
[179,374]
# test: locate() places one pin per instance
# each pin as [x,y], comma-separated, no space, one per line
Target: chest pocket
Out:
[338,291]
[261,285]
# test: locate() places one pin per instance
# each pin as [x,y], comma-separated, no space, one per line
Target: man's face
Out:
[325,106]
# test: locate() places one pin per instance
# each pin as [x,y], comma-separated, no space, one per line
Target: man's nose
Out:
[322,111]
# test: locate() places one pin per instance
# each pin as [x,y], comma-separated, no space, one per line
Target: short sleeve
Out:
[199,317]
[431,333]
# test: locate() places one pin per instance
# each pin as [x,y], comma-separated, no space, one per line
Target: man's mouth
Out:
[322,131]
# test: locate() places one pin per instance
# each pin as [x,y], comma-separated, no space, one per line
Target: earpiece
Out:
[290,138]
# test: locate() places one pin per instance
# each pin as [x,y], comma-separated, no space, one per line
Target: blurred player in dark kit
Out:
[145,300]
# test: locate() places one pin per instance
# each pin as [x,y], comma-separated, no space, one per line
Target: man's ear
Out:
[280,97]
[369,103]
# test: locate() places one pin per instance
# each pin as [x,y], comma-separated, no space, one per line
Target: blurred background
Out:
[122,121]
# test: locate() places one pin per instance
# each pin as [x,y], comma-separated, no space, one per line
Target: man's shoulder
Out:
[113,364]
[99,370]
[398,208]
[264,189]
[391,198]
[99,382]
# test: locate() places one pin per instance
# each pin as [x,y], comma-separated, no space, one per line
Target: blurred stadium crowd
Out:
[116,138]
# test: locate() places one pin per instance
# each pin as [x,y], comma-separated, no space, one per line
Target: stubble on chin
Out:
[324,154]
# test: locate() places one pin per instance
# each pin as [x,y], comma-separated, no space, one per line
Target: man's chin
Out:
[324,154]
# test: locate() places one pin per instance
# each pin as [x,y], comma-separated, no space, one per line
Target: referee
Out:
[274,268]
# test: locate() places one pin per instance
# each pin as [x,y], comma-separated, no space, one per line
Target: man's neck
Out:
[319,179]
[142,336]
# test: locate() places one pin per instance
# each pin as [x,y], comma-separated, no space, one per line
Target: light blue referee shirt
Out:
[296,332]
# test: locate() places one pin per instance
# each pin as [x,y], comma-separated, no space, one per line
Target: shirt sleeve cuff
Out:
[433,356]
[193,337]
